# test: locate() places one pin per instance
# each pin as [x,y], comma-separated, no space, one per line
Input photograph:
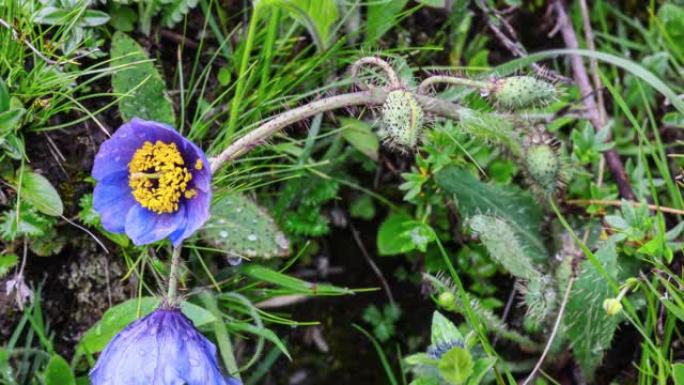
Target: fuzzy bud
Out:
[543,166]
[612,306]
[447,300]
[402,120]
[516,92]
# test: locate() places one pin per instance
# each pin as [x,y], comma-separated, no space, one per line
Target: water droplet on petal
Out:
[194,362]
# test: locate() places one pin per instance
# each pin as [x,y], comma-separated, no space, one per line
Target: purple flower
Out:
[152,183]
[163,348]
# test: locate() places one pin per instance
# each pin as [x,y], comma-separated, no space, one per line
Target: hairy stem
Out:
[425,85]
[171,295]
[392,78]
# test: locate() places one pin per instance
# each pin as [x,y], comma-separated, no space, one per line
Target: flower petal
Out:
[144,226]
[197,211]
[112,199]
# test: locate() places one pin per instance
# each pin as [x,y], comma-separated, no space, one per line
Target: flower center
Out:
[158,177]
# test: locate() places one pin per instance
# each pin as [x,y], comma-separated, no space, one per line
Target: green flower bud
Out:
[612,306]
[543,167]
[517,92]
[402,120]
[447,300]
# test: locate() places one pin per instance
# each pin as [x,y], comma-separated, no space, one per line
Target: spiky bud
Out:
[546,170]
[402,120]
[447,300]
[516,92]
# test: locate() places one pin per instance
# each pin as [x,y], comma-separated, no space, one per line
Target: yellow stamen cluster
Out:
[158,177]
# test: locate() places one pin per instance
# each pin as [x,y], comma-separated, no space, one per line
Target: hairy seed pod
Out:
[402,120]
[543,166]
[516,92]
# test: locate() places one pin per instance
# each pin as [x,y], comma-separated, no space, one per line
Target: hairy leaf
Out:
[140,86]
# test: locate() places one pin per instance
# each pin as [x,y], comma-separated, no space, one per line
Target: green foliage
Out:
[381,17]
[138,83]
[383,322]
[119,316]
[241,229]
[540,298]
[300,203]
[588,144]
[588,327]
[38,191]
[318,16]
[399,233]
[58,372]
[360,136]
[292,284]
[11,112]
[24,221]
[507,203]
[7,262]
[76,19]
[503,246]
[173,11]
[402,121]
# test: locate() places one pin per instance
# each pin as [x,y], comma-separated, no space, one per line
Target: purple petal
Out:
[197,211]
[112,199]
[144,226]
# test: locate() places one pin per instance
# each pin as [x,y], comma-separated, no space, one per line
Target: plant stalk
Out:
[171,295]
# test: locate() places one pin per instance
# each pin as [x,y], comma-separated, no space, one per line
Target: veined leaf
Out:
[38,191]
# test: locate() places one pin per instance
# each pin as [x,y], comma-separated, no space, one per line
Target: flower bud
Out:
[402,120]
[612,306]
[447,300]
[543,166]
[516,92]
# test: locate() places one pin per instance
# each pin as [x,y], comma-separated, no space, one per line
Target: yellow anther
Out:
[158,177]
[199,164]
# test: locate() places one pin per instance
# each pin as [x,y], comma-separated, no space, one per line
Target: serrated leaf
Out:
[119,316]
[58,372]
[241,228]
[589,327]
[176,10]
[7,262]
[456,365]
[141,86]
[38,191]
[510,203]
[29,224]
[360,135]
[318,16]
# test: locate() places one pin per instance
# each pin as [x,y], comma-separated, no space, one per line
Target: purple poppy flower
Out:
[163,348]
[152,183]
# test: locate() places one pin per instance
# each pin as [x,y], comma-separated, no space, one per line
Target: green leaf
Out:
[678,373]
[388,243]
[51,16]
[480,370]
[318,16]
[382,15]
[58,372]
[433,3]
[362,208]
[503,246]
[137,81]
[267,334]
[296,285]
[10,118]
[118,317]
[4,96]
[7,262]
[456,365]
[589,327]
[509,203]
[240,228]
[94,18]
[360,135]
[38,191]
[176,10]
[443,330]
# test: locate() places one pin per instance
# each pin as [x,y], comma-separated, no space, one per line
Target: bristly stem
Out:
[425,85]
[171,295]
[393,81]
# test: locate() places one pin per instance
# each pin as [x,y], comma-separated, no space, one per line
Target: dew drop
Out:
[238,210]
[282,241]
[194,362]
[251,252]
[223,233]
[221,221]
[252,237]
[234,259]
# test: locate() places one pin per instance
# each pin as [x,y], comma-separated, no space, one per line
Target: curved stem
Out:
[256,136]
[171,295]
[432,80]
[392,78]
